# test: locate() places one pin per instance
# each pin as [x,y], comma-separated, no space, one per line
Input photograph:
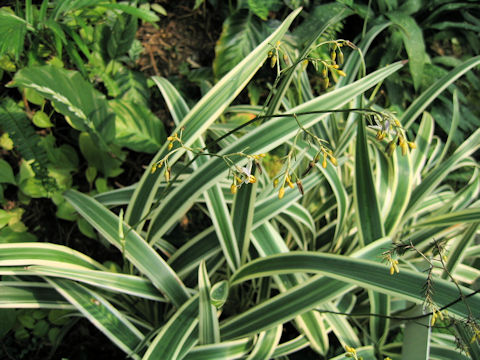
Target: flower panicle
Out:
[387,125]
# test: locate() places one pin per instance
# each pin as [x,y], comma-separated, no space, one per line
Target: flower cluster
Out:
[388,126]
[243,175]
[352,353]
[332,65]
[287,180]
[387,257]
[436,314]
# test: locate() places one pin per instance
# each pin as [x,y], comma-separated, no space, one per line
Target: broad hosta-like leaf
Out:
[74,97]
[137,128]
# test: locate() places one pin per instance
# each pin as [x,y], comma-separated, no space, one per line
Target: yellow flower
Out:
[281,192]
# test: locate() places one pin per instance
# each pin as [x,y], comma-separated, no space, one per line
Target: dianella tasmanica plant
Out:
[369,256]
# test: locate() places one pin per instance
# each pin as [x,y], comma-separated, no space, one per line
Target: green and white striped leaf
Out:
[120,283]
[27,294]
[365,273]
[176,336]
[266,344]
[426,98]
[25,254]
[227,350]
[135,249]
[208,331]
[101,313]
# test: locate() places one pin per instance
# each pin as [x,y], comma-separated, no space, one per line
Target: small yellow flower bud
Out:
[170,138]
[233,189]
[275,183]
[412,145]
[270,53]
[252,179]
[273,61]
[335,66]
[281,192]
[324,72]
[154,168]
[326,82]
[333,55]
[404,147]
[304,64]
[333,160]
[324,162]
[390,148]
[167,174]
[350,349]
[397,123]
[340,57]
[341,73]
[170,146]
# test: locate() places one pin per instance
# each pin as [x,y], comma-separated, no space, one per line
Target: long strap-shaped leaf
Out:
[27,294]
[208,332]
[135,248]
[205,112]
[121,283]
[267,241]
[365,273]
[369,224]
[100,313]
[228,350]
[264,138]
[177,335]
[23,254]
[435,176]
[426,98]
[266,344]
[214,198]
